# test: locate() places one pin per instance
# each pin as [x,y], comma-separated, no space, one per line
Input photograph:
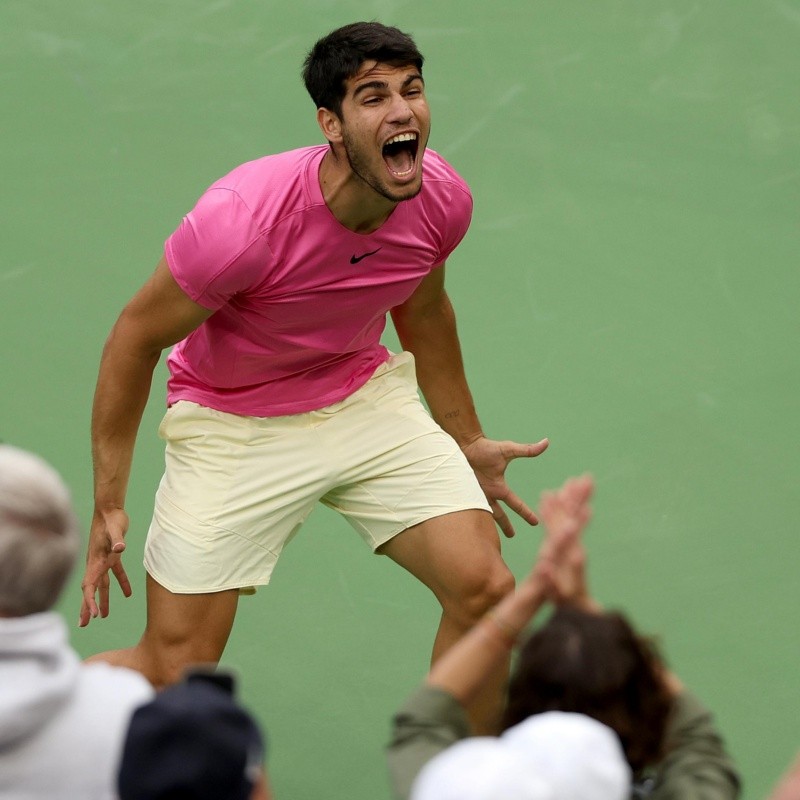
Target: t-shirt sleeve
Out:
[458,216]
[217,251]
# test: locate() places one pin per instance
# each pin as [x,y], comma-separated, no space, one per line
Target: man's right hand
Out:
[159,315]
[106,545]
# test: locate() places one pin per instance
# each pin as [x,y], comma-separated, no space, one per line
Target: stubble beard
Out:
[362,171]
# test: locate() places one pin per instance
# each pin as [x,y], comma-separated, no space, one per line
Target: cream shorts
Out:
[237,489]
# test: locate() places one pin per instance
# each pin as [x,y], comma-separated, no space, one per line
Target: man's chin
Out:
[406,193]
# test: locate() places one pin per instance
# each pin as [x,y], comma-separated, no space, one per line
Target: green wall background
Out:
[629,288]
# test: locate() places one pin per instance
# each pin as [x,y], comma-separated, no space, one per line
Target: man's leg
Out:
[457,556]
[222,514]
[182,629]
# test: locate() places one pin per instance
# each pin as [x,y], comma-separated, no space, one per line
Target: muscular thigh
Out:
[458,557]
[183,629]
[398,467]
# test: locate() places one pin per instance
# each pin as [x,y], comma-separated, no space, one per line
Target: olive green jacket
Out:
[697,766]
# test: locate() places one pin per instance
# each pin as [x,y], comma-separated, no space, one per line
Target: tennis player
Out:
[274,291]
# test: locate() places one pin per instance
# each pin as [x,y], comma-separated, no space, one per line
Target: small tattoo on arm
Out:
[451,414]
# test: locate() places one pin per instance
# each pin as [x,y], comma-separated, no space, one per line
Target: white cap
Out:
[481,768]
[550,756]
[579,757]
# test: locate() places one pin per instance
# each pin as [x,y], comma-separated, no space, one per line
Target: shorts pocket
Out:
[183,420]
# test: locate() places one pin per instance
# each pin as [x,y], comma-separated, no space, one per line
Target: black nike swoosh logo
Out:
[356,259]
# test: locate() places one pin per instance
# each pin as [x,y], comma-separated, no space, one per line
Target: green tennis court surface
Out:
[629,288]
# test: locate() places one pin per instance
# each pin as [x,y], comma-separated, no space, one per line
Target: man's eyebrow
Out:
[369,85]
[411,78]
[383,85]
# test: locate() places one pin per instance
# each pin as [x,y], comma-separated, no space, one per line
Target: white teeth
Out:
[402,137]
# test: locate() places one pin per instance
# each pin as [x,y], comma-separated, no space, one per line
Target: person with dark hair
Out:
[194,741]
[582,660]
[61,722]
[339,56]
[274,291]
[594,663]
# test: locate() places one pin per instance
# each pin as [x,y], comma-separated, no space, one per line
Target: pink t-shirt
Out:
[300,301]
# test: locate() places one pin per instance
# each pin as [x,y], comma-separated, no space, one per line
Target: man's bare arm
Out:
[426,325]
[159,315]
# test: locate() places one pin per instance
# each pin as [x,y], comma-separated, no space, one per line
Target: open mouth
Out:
[400,154]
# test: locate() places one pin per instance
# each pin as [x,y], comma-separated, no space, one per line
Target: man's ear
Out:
[330,125]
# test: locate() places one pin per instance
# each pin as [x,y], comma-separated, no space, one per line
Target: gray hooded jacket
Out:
[62,722]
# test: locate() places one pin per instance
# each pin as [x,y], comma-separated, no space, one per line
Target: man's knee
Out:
[478,591]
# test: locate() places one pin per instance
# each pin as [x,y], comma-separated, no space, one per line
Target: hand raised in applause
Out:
[566,512]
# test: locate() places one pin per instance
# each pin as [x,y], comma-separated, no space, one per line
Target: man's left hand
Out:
[489,459]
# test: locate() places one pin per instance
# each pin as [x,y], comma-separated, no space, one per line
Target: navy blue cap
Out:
[192,741]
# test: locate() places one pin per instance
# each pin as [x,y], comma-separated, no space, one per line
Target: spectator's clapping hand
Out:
[788,787]
[565,512]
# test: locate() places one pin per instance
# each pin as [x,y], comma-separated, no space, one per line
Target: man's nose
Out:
[400,110]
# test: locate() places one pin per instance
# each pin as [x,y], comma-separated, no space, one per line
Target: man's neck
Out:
[354,203]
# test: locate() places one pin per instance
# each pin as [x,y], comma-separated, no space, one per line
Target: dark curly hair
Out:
[339,55]
[595,664]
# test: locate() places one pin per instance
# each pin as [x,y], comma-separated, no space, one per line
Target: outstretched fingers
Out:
[122,578]
[89,608]
[96,587]
[489,459]
[502,520]
[519,506]
[106,546]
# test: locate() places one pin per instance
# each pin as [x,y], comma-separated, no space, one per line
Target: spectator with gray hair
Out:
[62,722]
